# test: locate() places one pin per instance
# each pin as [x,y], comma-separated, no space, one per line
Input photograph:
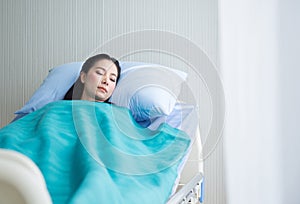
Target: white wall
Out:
[37,35]
[289,72]
[260,67]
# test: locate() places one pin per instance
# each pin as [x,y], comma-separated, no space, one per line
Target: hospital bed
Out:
[21,181]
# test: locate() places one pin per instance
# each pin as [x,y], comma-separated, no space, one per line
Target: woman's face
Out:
[100,81]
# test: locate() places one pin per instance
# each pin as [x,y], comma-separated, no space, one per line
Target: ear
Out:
[82,77]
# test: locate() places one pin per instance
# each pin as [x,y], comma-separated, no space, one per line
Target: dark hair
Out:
[75,92]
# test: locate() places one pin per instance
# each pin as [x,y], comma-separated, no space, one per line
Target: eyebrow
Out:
[104,69]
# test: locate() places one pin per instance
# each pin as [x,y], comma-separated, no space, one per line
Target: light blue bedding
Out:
[93,152]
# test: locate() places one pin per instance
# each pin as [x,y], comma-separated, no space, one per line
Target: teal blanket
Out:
[93,152]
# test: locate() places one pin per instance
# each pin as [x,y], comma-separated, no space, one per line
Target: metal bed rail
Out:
[190,193]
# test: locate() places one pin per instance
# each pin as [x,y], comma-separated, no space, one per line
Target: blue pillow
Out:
[54,87]
[146,89]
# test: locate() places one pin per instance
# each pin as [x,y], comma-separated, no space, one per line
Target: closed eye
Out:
[99,72]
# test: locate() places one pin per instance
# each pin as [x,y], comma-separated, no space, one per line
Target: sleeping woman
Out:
[98,78]
[92,152]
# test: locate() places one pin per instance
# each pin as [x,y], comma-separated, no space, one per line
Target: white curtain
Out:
[260,68]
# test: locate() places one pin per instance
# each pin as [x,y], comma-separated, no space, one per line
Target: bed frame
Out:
[191,185]
[192,192]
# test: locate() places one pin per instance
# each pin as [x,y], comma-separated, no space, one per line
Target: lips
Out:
[102,89]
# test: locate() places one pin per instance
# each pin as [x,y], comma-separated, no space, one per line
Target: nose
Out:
[104,80]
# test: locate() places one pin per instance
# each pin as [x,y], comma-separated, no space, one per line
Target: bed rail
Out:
[191,193]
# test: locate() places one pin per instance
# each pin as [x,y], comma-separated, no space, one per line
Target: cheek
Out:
[94,78]
[112,87]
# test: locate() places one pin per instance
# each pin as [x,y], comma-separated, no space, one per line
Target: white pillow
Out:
[148,90]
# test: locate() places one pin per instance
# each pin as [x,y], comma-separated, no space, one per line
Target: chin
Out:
[100,99]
